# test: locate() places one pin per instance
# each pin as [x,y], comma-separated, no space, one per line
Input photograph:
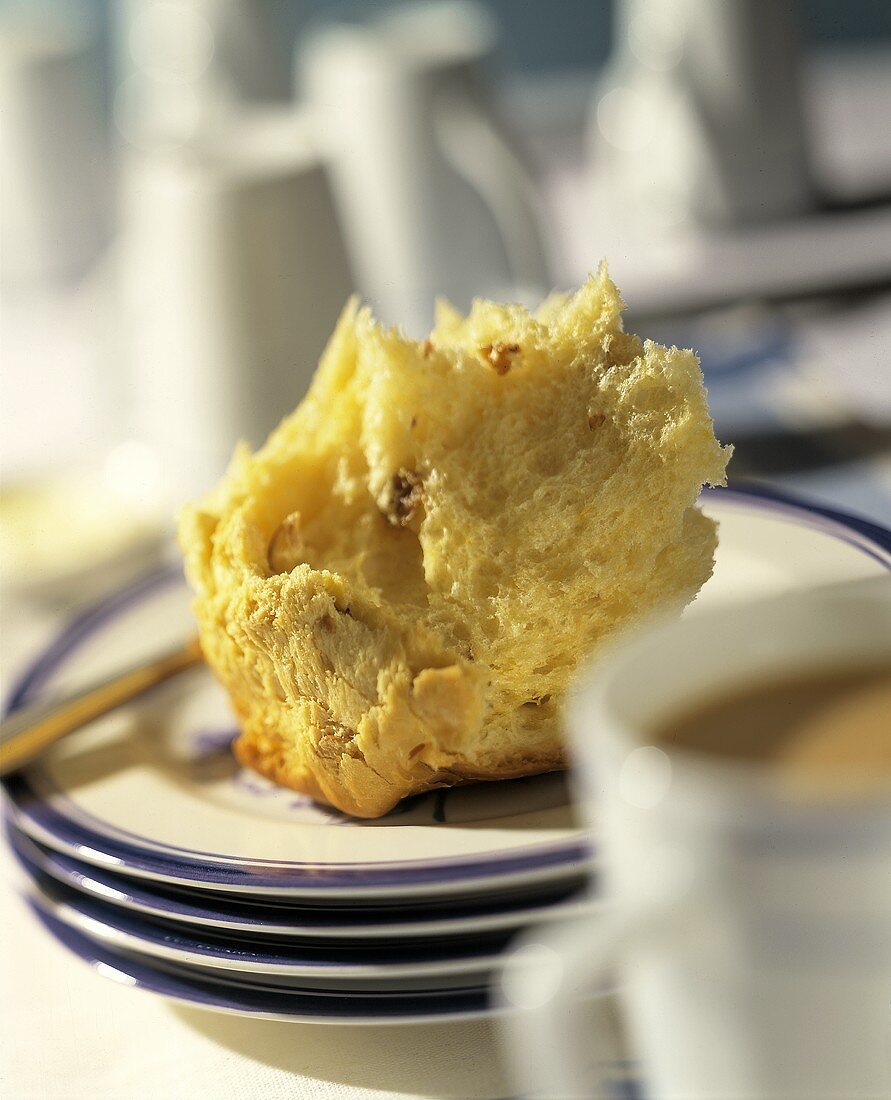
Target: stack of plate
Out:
[147,851]
[303,941]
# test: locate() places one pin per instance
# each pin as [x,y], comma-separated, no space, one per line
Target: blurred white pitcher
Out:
[750,928]
[234,273]
[699,117]
[433,198]
[54,170]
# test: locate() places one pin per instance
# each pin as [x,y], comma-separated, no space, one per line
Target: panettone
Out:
[397,587]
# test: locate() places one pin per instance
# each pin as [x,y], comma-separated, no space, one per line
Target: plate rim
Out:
[100,843]
[174,945]
[219,996]
[420,926]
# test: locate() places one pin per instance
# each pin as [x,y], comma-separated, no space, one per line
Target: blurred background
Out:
[191,189]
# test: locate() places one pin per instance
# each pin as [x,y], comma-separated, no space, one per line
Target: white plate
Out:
[153,792]
[395,965]
[284,919]
[178,983]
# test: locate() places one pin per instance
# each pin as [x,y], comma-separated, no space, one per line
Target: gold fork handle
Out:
[27,732]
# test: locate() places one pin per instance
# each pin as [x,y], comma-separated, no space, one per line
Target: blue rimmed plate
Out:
[243,999]
[153,791]
[394,966]
[285,920]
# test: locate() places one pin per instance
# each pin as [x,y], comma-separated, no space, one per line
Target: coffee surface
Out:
[835,724]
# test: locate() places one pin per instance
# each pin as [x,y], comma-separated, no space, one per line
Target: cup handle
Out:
[561,966]
[571,962]
[477,150]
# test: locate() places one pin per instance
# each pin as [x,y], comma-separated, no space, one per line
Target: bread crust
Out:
[324,781]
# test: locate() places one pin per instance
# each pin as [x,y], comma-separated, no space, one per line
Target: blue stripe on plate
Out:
[284,918]
[244,954]
[243,1000]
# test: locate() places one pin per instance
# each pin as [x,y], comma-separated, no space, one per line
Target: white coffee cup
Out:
[750,922]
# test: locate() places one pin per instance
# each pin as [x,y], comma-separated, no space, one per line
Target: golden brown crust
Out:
[325,782]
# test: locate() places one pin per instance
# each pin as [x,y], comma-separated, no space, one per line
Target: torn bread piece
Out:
[398,586]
